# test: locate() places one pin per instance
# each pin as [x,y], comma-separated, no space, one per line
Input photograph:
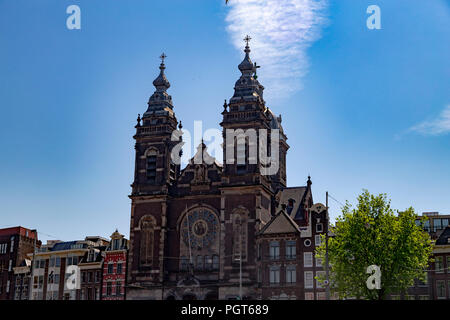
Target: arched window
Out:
[147,225]
[240,236]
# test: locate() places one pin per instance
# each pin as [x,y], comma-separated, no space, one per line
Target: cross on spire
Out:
[162,57]
[247,39]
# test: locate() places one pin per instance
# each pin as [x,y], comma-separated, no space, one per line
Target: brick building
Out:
[91,270]
[114,268]
[437,277]
[22,279]
[440,278]
[15,244]
[189,226]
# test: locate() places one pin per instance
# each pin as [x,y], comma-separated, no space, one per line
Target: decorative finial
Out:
[162,57]
[139,120]
[225,105]
[247,39]
[256,67]
[180,126]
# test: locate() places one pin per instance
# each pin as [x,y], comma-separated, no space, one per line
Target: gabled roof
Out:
[296,194]
[280,223]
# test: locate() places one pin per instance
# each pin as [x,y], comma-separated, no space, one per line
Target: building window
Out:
[208,263]
[439,264]
[119,268]
[424,297]
[116,244]
[151,168]
[308,259]
[320,275]
[291,249]
[319,227]
[440,289]
[148,225]
[448,264]
[318,262]
[291,274]
[110,268]
[12,245]
[274,250]
[199,265]
[240,155]
[258,276]
[240,236]
[10,266]
[118,288]
[309,280]
[215,262]
[274,275]
[307,243]
[109,288]
[318,240]
[3,248]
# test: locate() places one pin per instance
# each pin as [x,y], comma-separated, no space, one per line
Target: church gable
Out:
[281,223]
[201,170]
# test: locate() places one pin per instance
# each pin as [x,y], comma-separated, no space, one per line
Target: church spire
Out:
[247,88]
[246,66]
[160,103]
[161,83]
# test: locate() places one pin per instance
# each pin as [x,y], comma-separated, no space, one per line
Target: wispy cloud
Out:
[281,32]
[438,126]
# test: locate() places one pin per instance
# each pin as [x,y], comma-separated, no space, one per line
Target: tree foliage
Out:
[373,234]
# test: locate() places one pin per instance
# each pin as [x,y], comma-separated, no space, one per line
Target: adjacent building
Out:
[15,244]
[440,280]
[115,268]
[49,266]
[91,269]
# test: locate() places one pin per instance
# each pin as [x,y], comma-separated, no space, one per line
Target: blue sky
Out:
[361,108]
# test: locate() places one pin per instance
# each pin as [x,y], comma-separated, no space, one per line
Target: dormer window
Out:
[116,244]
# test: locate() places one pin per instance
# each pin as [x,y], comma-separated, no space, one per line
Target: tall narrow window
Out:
[308,259]
[439,264]
[274,250]
[151,168]
[274,275]
[240,236]
[240,156]
[215,262]
[291,250]
[147,240]
[291,274]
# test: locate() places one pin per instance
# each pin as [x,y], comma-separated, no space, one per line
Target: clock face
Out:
[199,228]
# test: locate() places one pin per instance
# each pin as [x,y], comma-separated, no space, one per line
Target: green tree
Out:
[373,234]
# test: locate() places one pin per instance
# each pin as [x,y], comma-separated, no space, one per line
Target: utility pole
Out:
[327,269]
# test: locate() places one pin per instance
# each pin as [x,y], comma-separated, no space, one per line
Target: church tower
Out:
[155,170]
[243,118]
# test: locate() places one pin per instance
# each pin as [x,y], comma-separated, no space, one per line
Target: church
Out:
[219,231]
